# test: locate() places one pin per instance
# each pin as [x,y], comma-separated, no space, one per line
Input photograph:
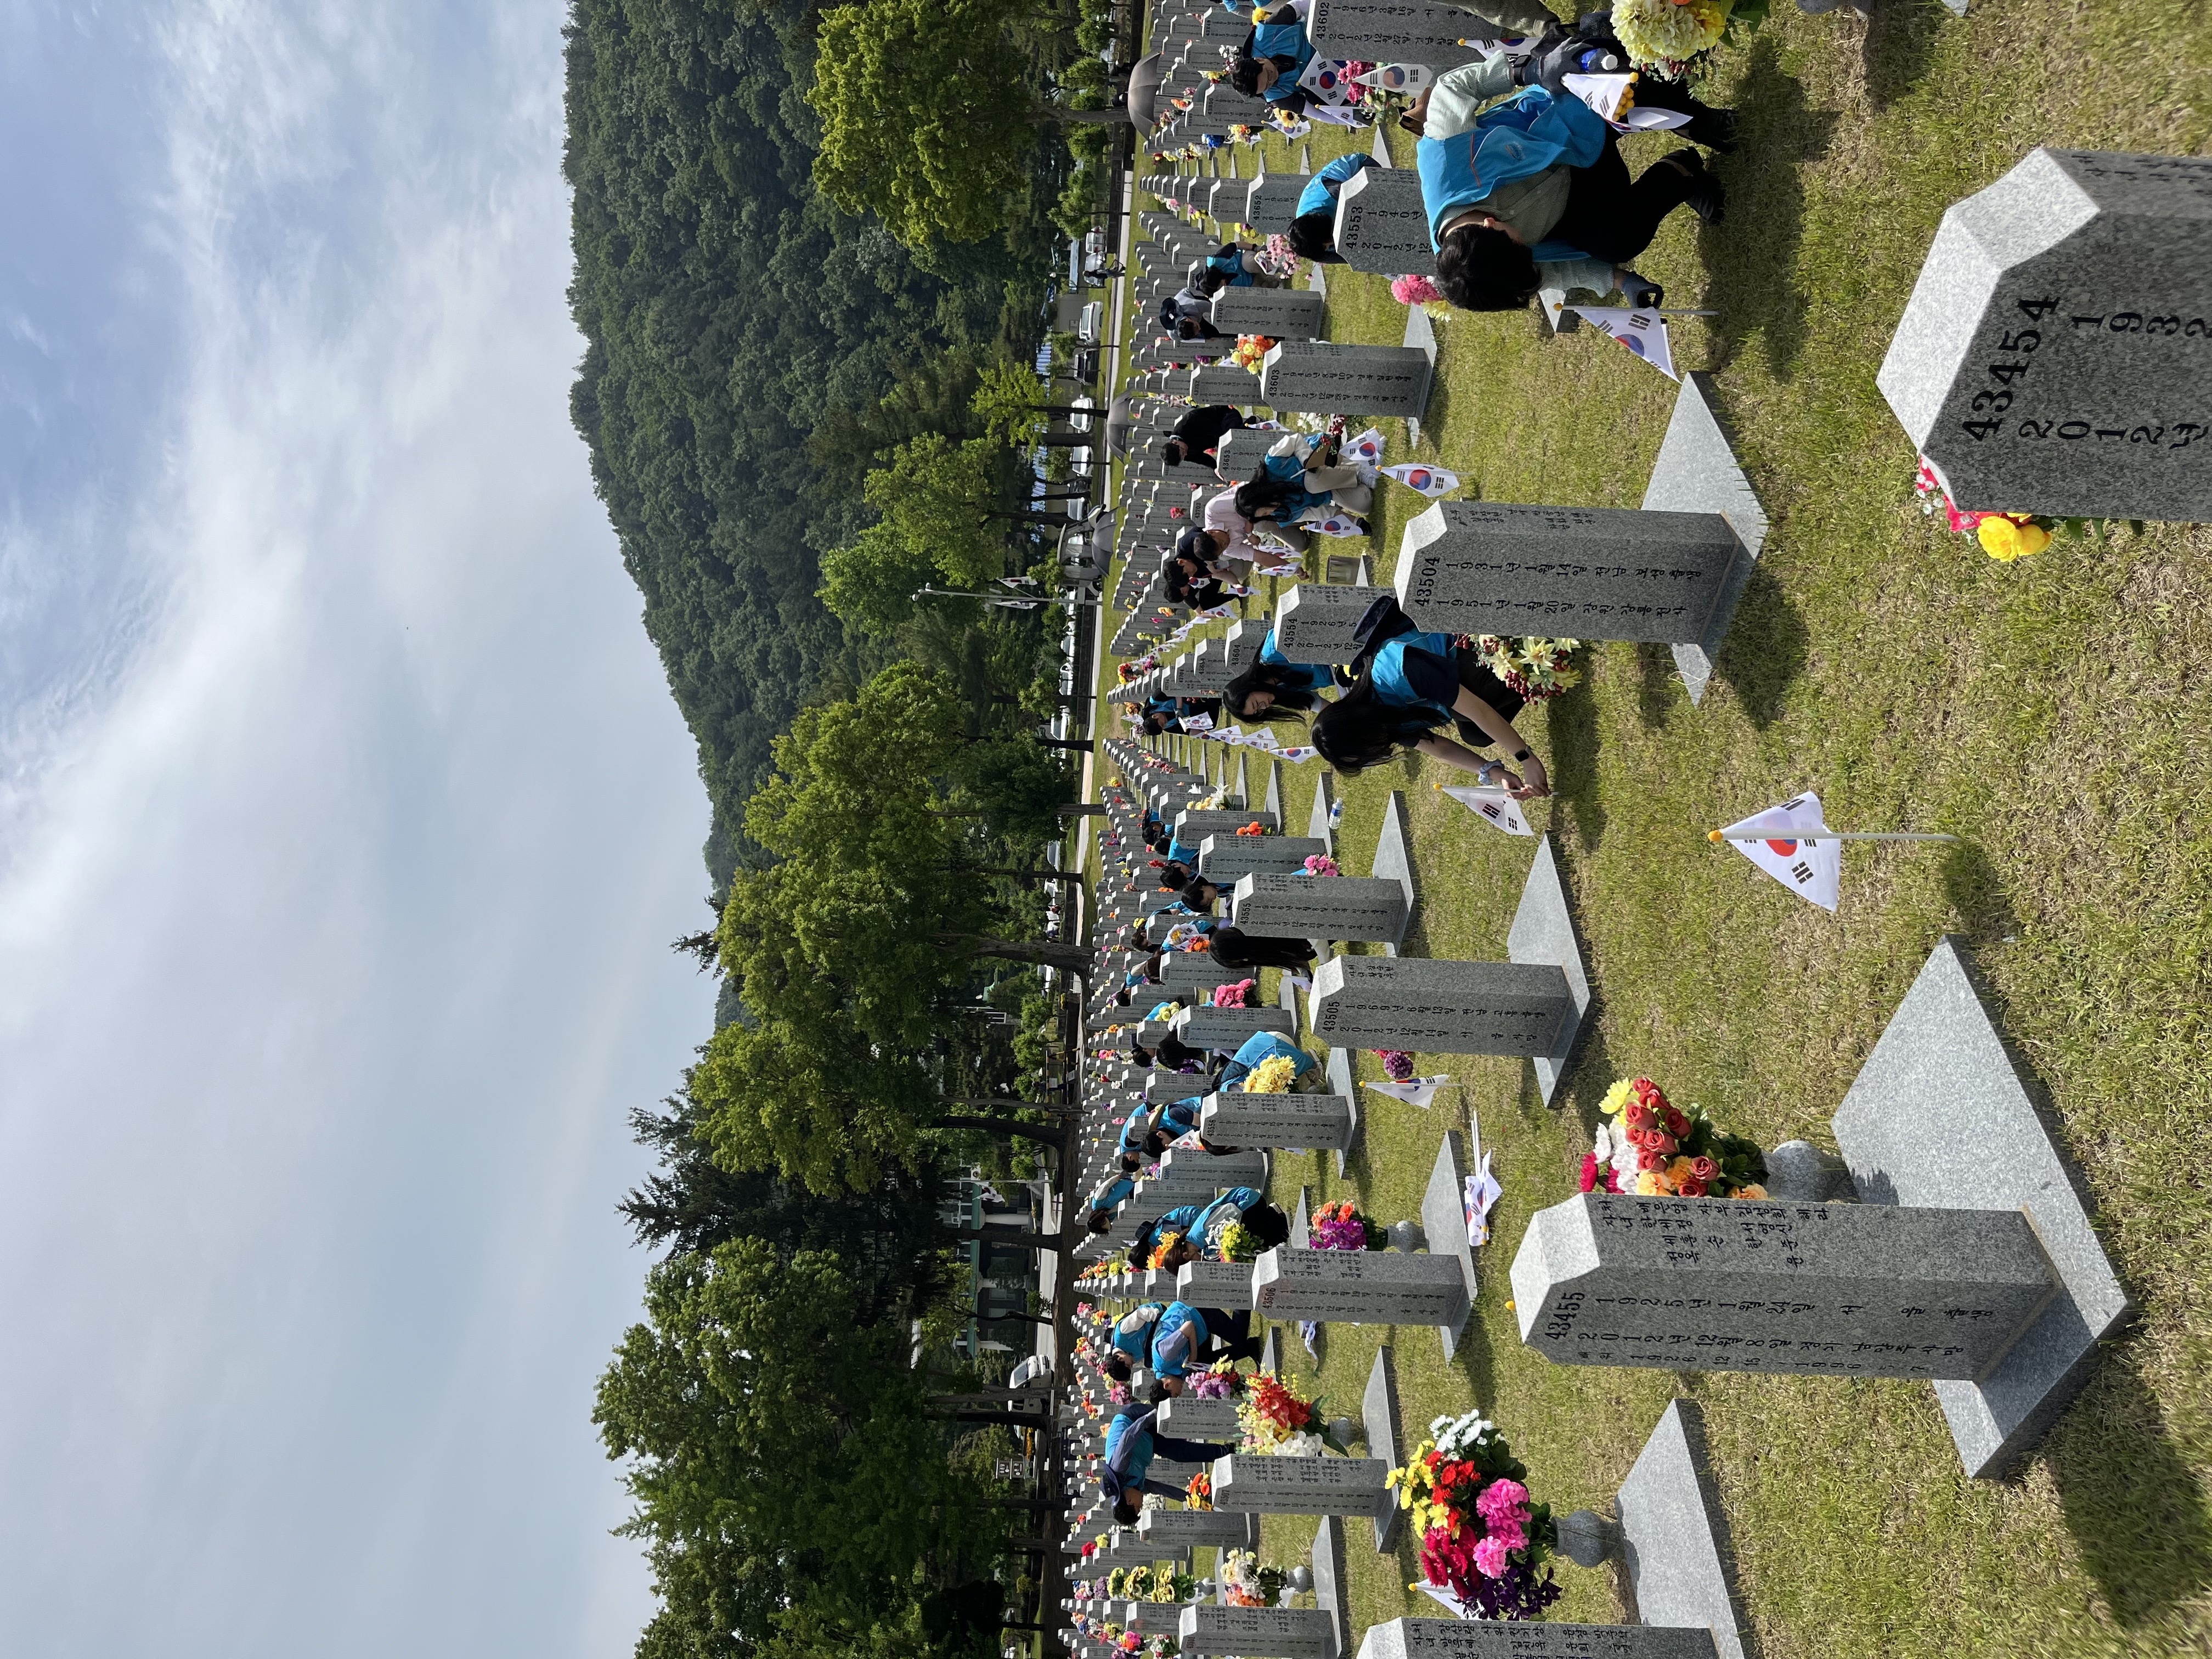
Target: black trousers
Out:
[1611,218]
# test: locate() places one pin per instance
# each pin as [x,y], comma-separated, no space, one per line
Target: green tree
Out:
[870,584]
[924,117]
[781,1458]
[1011,405]
[844,949]
[934,492]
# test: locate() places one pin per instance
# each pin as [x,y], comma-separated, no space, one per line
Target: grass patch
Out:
[2052,712]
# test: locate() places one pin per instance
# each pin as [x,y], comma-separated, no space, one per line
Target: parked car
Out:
[1083,407]
[1091,325]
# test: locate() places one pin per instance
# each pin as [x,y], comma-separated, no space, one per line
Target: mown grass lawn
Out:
[2052,712]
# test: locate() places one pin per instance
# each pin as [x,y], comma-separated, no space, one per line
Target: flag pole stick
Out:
[1809,837]
[1669,311]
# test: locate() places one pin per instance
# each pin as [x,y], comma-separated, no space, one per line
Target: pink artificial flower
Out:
[1413,290]
[1490,1558]
[1501,1498]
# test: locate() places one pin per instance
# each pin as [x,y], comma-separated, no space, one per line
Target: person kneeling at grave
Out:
[1234,948]
[1130,1446]
[1312,235]
[1235,265]
[1276,688]
[1292,485]
[1409,686]
[1107,1197]
[1201,1241]
[1199,895]
[1228,535]
[1200,433]
[1539,178]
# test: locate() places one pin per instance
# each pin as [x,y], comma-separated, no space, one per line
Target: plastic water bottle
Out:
[1336,814]
[1597,61]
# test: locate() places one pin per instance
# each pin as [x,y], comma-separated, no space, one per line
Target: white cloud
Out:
[334,907]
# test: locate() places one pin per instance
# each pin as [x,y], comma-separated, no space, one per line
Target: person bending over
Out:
[1539,178]
[1272,56]
[1312,235]
[1132,1443]
[1276,688]
[1411,685]
[1198,433]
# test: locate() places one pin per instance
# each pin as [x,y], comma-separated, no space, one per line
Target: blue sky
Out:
[344,822]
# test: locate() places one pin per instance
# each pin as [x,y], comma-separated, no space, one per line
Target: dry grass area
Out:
[2052,712]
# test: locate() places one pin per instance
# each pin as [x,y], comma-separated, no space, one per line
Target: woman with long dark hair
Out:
[1410,687]
[1234,948]
[1276,688]
[1294,483]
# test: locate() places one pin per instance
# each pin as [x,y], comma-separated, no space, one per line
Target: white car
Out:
[1090,326]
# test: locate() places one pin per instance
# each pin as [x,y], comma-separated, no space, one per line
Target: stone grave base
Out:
[1696,472]
[1937,1094]
[1673,1542]
[1543,931]
[1378,1412]
[1332,1587]
[1393,860]
[1342,1082]
[1444,1222]
[1421,333]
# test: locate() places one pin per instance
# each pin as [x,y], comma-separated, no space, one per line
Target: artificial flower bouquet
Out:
[1278,1075]
[1320,864]
[1669,36]
[1239,1243]
[1481,1538]
[1397,1064]
[1651,1147]
[2003,536]
[1251,351]
[1278,1421]
[1220,1381]
[1149,1583]
[1338,1226]
[1245,993]
[1198,1491]
[1246,1583]
[1255,827]
[1535,668]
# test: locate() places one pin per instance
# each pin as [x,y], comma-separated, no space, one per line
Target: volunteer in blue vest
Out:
[1132,1443]
[1293,484]
[1410,687]
[1312,235]
[1231,265]
[1539,178]
[1274,54]
[1201,1239]
[1276,688]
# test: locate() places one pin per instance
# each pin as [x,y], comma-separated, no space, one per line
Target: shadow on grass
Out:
[1899,39]
[1572,723]
[2134,1506]
[1753,255]
[1979,893]
[1766,648]
[1657,685]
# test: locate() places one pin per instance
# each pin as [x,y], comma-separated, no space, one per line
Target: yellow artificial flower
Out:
[2008,539]
[1650,1184]
[1616,1098]
[1678,1172]
[1754,1190]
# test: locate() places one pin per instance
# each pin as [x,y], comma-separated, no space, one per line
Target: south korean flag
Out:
[1792,851]
[1492,805]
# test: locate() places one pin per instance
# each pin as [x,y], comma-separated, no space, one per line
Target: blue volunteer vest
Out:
[1177,1336]
[1214,1219]
[1128,1449]
[1386,672]
[1322,189]
[1230,263]
[1282,41]
[1289,470]
[1516,139]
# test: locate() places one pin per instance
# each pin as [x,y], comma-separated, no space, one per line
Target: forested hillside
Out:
[750,347]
